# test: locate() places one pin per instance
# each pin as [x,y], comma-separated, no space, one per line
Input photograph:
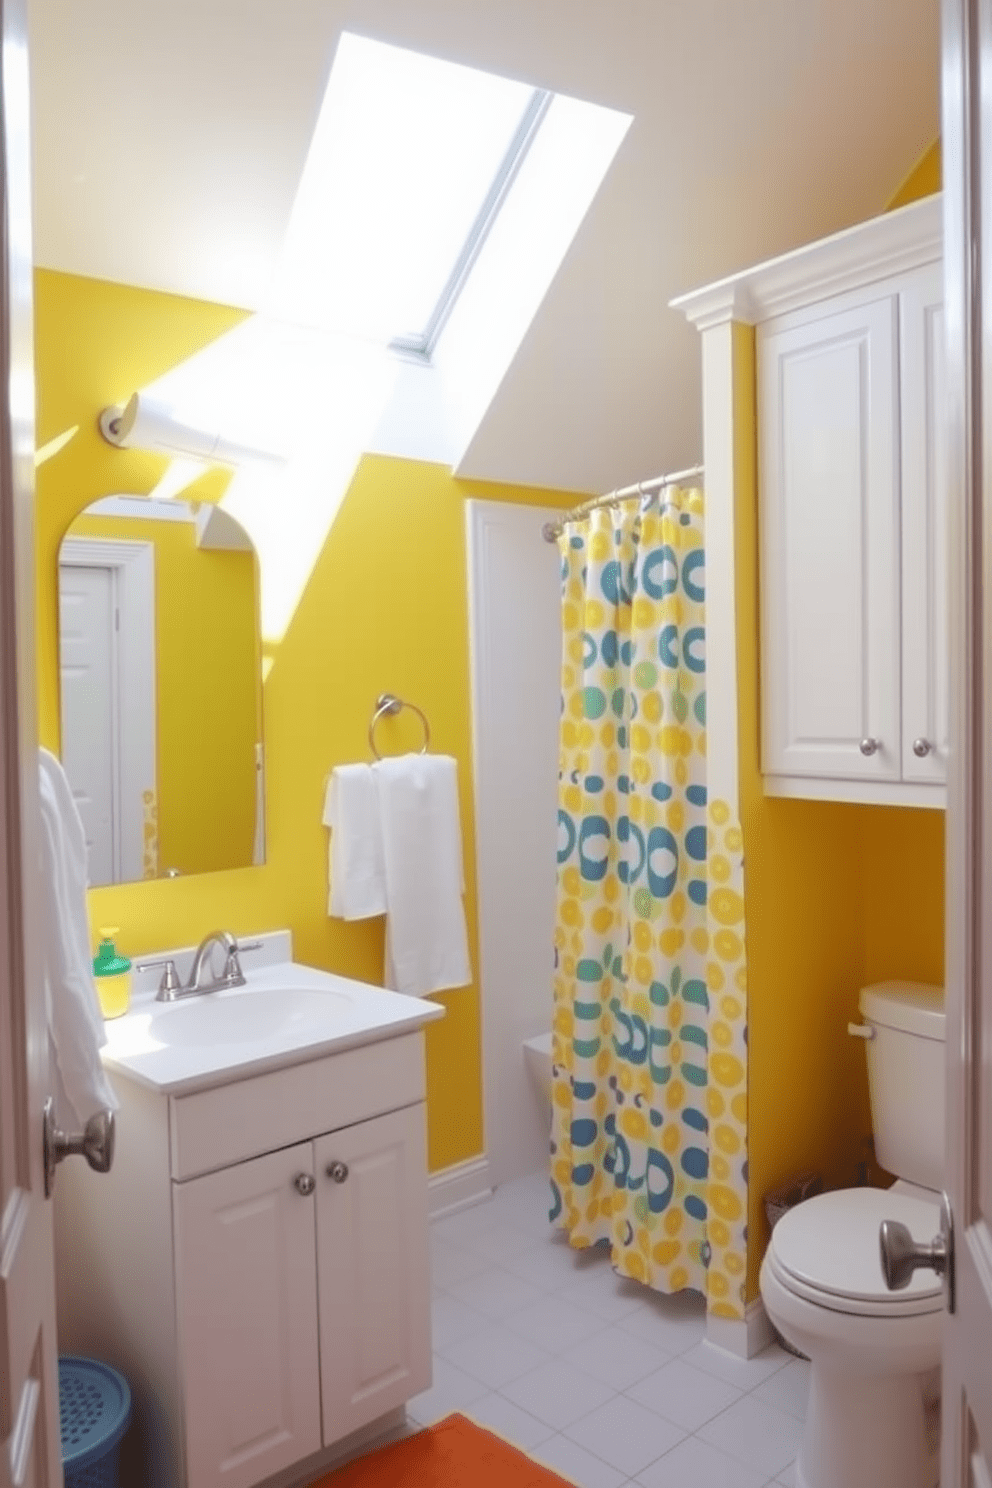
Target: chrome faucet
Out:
[171,988]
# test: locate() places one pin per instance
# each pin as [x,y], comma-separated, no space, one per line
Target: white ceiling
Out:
[170,136]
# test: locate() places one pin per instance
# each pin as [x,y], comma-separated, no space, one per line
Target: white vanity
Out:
[256,1261]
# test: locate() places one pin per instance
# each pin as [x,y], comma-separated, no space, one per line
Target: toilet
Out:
[873,1418]
[537,1057]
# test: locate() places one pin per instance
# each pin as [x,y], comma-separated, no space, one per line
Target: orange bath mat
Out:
[453,1454]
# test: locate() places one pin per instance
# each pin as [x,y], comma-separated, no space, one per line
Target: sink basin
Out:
[245,1017]
[285,1014]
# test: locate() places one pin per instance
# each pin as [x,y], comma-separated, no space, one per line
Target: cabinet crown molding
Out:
[883,246]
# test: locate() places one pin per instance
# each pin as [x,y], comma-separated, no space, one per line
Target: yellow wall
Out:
[208,708]
[923,180]
[386,608]
[836,896]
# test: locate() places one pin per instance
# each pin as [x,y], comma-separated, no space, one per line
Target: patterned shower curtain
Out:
[650,1103]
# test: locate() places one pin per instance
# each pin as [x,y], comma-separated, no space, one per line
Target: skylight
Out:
[433,197]
[409,163]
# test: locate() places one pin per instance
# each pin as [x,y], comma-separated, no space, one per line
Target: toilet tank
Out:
[906,1078]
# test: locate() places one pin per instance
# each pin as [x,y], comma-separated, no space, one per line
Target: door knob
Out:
[869,746]
[901,1255]
[338,1171]
[304,1183]
[95,1142]
[921,748]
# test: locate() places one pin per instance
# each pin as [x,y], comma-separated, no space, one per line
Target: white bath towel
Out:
[355,862]
[426,939]
[75,1023]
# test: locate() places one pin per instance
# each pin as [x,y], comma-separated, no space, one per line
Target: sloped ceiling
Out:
[170,136]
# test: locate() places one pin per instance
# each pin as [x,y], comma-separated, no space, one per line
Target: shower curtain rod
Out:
[553,530]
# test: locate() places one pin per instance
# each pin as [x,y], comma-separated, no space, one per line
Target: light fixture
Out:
[143,423]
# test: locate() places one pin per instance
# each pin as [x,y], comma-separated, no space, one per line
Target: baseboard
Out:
[744,1336]
[457,1187]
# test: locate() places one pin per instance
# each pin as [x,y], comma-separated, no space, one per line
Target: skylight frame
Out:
[420,345]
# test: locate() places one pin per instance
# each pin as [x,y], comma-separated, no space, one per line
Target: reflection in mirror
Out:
[161,700]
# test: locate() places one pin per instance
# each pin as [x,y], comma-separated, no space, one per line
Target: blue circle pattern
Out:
[654,863]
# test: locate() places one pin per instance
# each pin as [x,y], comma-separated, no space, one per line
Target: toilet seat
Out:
[826,1251]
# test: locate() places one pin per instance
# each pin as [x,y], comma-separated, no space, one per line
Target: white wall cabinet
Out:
[852,548]
[266,1305]
[851,509]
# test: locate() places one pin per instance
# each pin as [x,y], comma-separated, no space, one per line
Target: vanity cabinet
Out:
[256,1263]
[246,1291]
[301,1297]
[852,543]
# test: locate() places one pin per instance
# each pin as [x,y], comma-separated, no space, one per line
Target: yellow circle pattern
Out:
[649,1136]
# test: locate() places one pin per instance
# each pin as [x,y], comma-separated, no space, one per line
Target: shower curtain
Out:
[649,1124]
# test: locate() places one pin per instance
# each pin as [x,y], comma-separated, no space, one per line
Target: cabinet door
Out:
[246,1289]
[828,449]
[373,1278]
[924,536]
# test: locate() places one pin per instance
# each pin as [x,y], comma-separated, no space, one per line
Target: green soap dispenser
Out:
[112,974]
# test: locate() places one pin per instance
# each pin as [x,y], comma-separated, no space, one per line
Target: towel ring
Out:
[388,703]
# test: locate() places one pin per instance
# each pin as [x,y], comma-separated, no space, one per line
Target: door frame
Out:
[135,756]
[516,918]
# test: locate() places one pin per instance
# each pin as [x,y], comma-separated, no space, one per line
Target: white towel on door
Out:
[426,939]
[355,863]
[75,1023]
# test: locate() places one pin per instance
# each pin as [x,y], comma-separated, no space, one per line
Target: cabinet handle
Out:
[304,1183]
[338,1171]
[869,746]
[921,748]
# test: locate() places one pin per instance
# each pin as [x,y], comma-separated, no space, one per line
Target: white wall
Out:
[515,629]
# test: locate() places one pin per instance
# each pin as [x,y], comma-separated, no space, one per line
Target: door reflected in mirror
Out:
[160,687]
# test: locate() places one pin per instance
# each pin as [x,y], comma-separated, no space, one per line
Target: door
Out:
[30,1453]
[966,1456]
[924,528]
[89,726]
[828,446]
[246,1289]
[373,1273]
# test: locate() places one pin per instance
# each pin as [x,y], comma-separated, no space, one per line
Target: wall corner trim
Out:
[746,1336]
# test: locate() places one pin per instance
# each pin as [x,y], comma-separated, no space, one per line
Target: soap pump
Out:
[112,974]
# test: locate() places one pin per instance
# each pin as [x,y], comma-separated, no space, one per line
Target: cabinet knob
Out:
[338,1171]
[304,1183]
[921,748]
[869,746]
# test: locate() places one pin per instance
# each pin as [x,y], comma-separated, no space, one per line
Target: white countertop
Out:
[285,1014]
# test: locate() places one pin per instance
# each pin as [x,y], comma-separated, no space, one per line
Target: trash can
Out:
[779,1202]
[94,1413]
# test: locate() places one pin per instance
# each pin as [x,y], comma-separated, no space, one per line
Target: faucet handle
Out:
[233,973]
[170,985]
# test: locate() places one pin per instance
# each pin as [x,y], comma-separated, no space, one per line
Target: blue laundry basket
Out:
[94,1412]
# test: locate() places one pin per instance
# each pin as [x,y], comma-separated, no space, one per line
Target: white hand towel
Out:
[426,939]
[355,864]
[75,1024]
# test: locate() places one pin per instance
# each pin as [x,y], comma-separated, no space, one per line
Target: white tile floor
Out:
[608,1384]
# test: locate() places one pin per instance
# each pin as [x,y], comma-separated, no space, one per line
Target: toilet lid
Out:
[829,1245]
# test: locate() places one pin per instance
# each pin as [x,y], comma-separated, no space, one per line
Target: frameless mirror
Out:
[161,696]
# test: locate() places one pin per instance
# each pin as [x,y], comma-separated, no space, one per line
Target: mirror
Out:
[160,688]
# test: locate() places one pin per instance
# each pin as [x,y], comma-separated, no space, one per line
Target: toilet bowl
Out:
[537,1057]
[873,1418]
